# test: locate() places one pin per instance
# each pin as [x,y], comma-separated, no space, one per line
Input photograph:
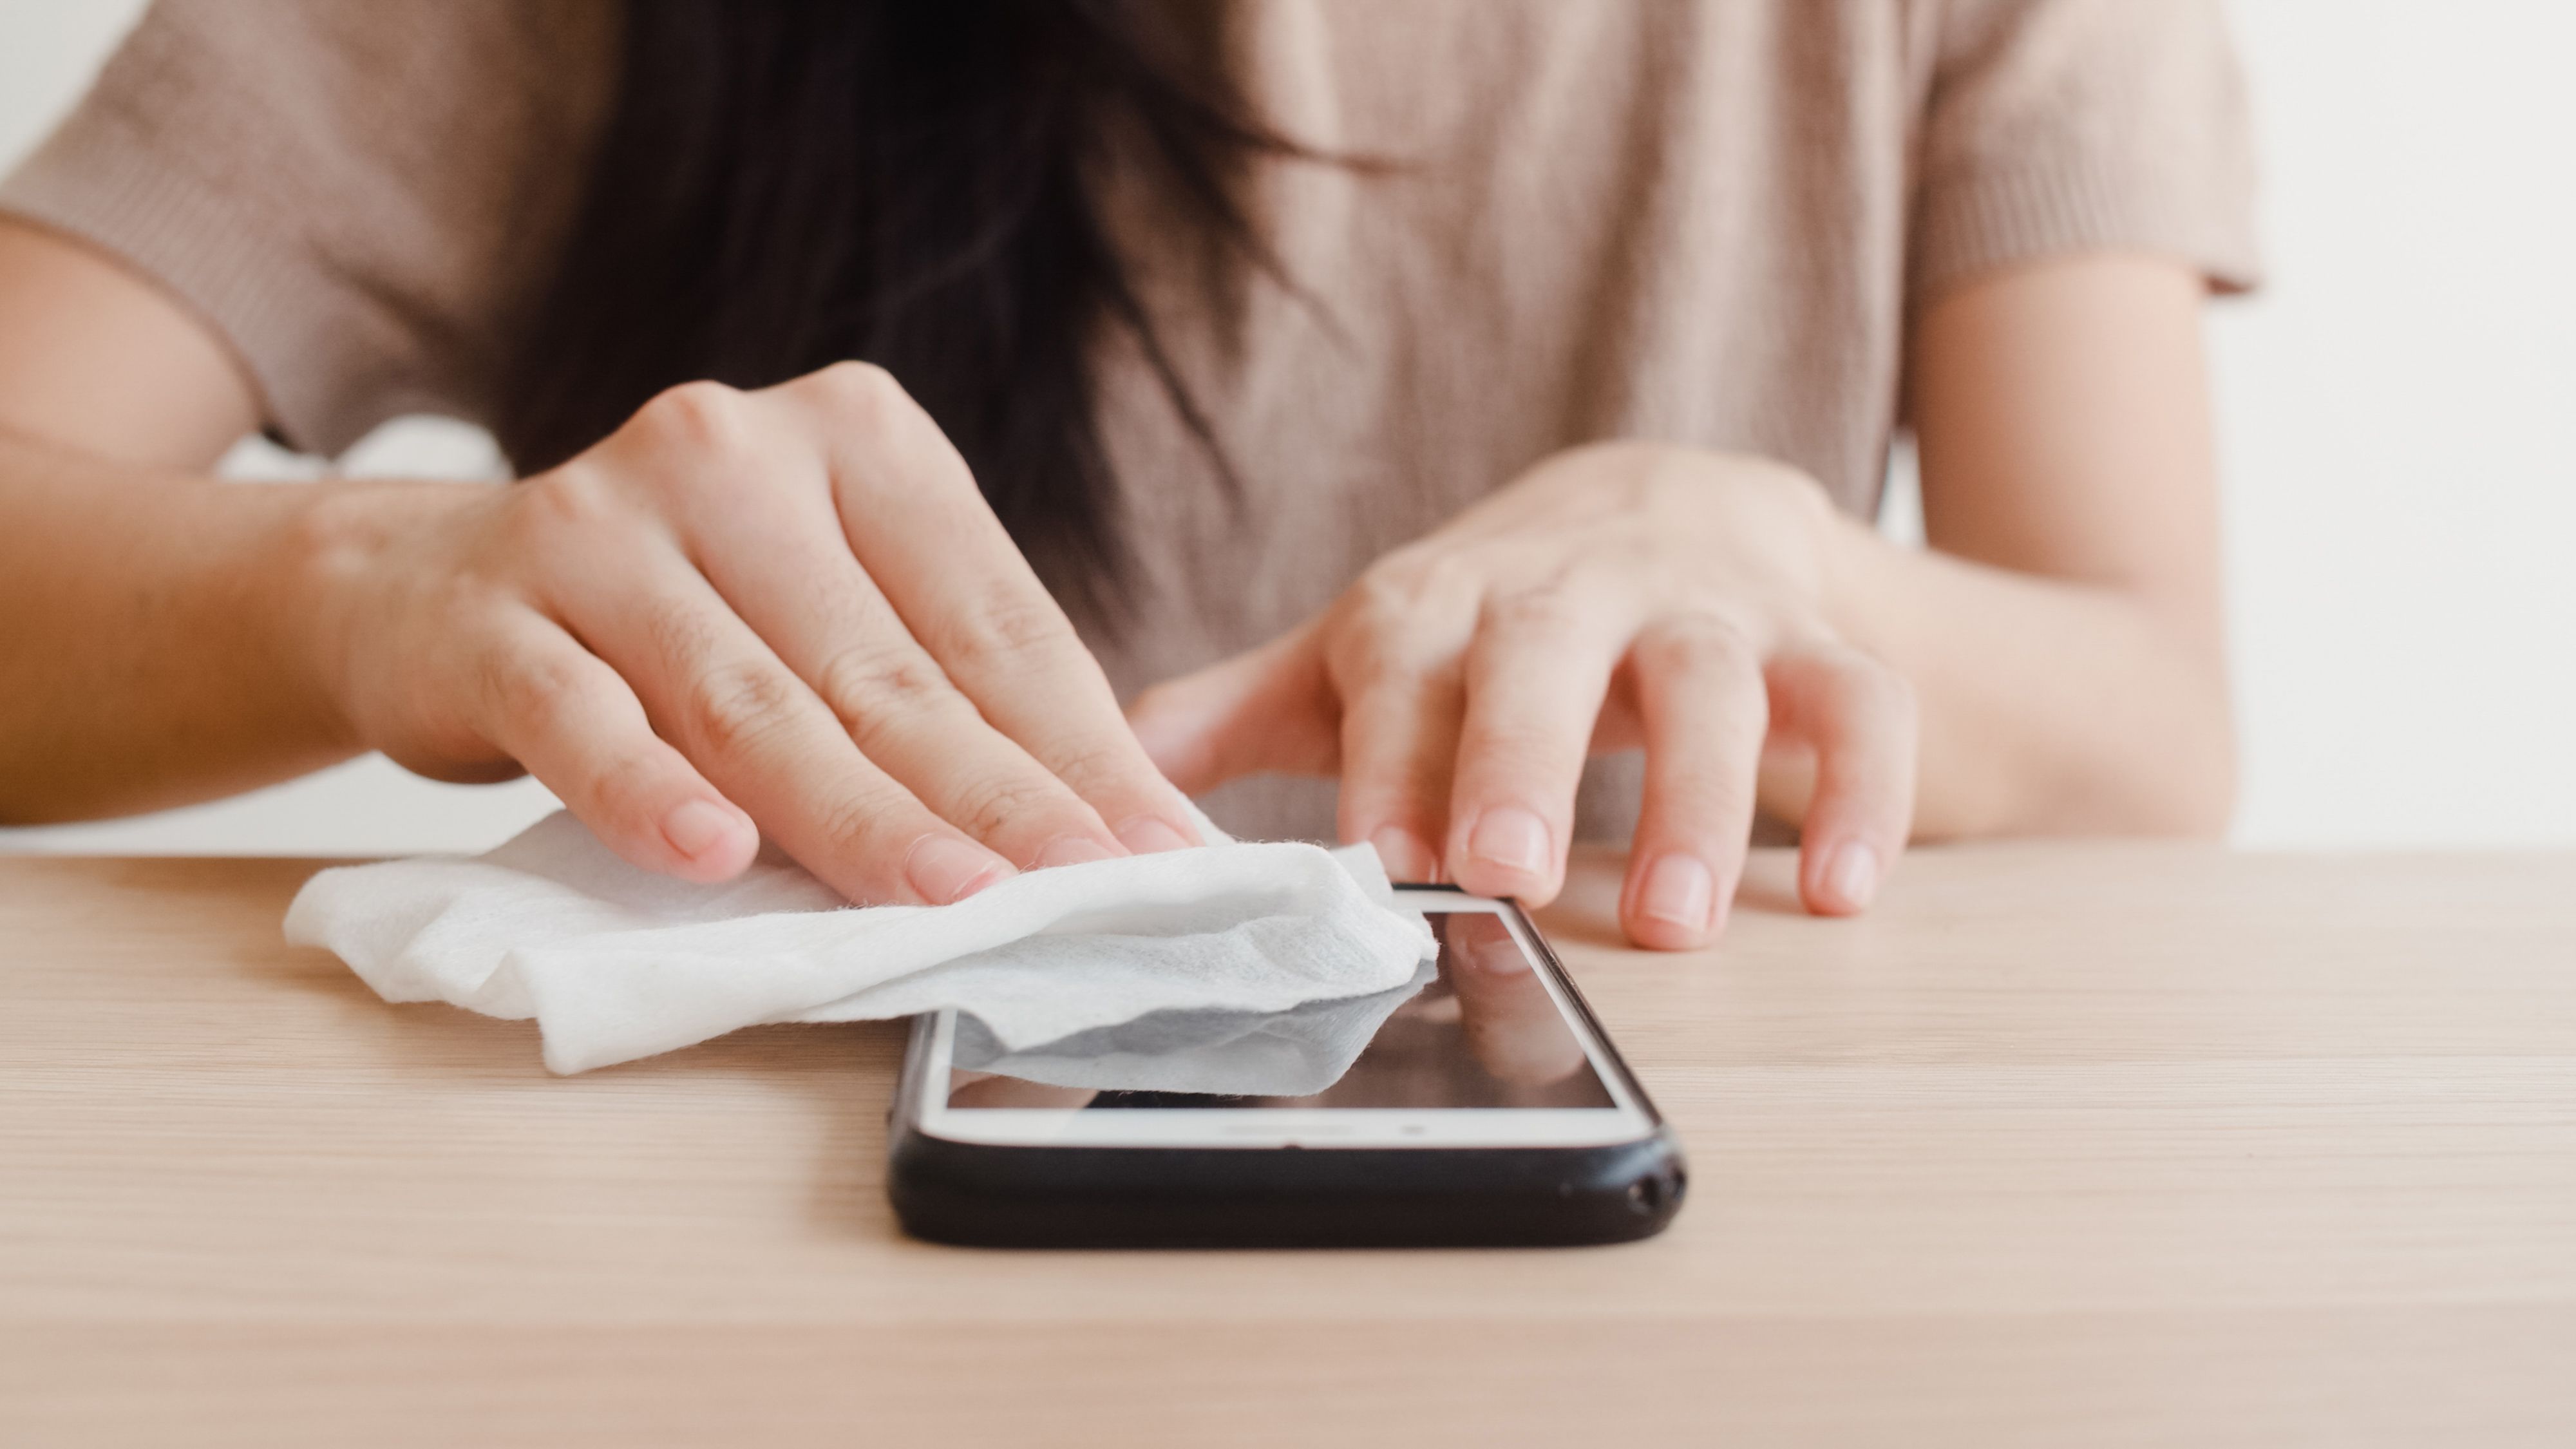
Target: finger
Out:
[1398,737]
[1270,708]
[1402,686]
[572,723]
[1859,715]
[793,580]
[1701,704]
[906,717]
[762,736]
[1535,679]
[918,525]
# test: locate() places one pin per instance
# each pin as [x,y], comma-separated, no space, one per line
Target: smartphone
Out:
[1479,1104]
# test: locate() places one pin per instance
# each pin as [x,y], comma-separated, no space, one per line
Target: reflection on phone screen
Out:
[1480,1030]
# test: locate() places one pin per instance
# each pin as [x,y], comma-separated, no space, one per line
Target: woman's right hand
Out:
[787,612]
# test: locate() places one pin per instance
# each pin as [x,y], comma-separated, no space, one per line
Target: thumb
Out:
[1270,708]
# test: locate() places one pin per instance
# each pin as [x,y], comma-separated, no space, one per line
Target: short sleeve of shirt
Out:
[2061,126]
[356,195]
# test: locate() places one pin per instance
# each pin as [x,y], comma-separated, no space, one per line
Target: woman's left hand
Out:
[1616,595]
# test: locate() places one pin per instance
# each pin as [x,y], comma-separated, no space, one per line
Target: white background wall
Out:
[2395,414]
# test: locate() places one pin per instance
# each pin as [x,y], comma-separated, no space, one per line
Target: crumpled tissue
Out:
[615,962]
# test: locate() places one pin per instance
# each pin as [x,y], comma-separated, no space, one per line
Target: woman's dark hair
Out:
[789,183]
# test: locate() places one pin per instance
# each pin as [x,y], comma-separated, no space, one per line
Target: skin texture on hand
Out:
[1615,596]
[786,613]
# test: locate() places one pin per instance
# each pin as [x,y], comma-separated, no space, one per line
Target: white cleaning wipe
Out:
[1294,1053]
[615,962]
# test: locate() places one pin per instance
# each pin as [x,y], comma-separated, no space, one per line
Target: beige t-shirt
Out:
[1701,221]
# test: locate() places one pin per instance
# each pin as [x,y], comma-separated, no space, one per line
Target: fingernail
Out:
[1512,838]
[1403,854]
[1072,850]
[698,827]
[1853,877]
[1679,889]
[1146,835]
[944,869]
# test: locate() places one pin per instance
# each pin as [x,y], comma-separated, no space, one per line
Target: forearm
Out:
[2047,707]
[159,641]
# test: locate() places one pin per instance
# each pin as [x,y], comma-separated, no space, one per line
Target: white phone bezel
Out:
[1625,1121]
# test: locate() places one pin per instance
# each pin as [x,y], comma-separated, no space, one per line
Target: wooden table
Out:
[2066,1144]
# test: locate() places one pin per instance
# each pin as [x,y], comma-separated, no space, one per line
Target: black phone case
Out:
[981,1195]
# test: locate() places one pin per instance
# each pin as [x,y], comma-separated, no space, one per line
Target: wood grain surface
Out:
[2064,1144]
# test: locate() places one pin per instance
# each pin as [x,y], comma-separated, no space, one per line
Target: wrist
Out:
[327,569]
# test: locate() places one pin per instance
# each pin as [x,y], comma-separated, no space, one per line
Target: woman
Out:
[1434,395]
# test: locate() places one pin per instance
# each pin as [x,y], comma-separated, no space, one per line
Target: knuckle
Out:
[546,692]
[1011,630]
[701,419]
[1696,643]
[1453,572]
[1388,590]
[1098,764]
[867,682]
[996,803]
[1364,658]
[734,707]
[868,820]
[1411,617]
[1546,610]
[1411,579]
[861,399]
[861,386]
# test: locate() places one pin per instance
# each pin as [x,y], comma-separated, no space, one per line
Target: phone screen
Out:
[1478,1027]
